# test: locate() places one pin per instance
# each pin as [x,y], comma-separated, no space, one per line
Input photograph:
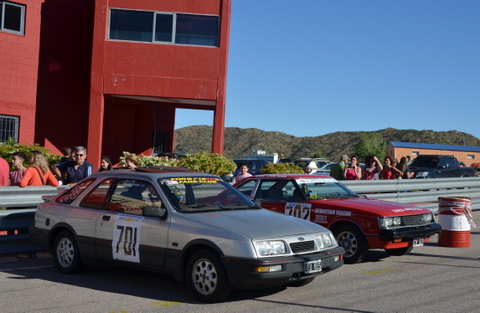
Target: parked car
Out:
[311,166]
[439,166]
[359,224]
[191,225]
[254,168]
[326,169]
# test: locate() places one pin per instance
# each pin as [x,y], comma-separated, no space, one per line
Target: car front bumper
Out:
[242,273]
[409,233]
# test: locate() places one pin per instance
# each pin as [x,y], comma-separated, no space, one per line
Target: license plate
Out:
[417,242]
[313,266]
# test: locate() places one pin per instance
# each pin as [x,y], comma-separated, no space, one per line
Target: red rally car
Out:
[358,223]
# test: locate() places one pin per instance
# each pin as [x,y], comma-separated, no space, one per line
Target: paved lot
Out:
[430,279]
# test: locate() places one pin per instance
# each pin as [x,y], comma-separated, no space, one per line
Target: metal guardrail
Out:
[20,205]
[420,192]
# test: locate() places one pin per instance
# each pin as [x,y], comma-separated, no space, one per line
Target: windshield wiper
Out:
[239,207]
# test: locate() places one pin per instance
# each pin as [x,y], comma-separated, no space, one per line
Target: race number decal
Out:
[126,238]
[300,210]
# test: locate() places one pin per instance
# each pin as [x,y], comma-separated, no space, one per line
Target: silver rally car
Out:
[187,224]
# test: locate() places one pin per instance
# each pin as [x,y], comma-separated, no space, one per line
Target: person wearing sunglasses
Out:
[75,170]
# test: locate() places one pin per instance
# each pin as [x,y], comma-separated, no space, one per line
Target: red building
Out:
[110,74]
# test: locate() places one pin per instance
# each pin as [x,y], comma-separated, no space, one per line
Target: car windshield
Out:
[324,188]
[201,194]
[425,162]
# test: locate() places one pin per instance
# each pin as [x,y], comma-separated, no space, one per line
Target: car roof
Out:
[155,171]
[294,176]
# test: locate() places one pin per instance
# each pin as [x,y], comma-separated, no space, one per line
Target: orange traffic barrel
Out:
[452,216]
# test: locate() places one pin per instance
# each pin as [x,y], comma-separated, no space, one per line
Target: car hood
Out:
[369,206]
[257,224]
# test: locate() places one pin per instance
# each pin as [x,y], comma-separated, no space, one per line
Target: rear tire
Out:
[66,254]
[400,251]
[354,243]
[206,278]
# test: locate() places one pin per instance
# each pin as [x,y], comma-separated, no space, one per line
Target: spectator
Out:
[131,161]
[105,164]
[409,174]
[4,170]
[353,170]
[389,171]
[372,168]
[75,170]
[402,166]
[38,173]
[338,169]
[243,167]
[67,155]
[16,175]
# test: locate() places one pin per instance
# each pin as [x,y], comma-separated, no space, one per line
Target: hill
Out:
[242,141]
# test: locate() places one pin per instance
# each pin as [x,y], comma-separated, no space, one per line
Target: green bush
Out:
[211,163]
[6,151]
[145,160]
[282,168]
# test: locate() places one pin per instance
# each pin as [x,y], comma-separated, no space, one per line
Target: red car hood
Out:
[382,208]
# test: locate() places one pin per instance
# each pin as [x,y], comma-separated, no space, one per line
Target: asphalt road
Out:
[430,279]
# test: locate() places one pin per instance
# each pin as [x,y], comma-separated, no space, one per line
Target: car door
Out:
[122,231]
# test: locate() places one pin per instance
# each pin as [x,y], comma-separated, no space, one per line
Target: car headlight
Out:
[428,218]
[326,240]
[270,247]
[387,222]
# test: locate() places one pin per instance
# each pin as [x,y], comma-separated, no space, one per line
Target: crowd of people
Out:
[372,169]
[72,168]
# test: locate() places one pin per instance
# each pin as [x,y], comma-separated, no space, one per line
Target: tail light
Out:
[307,170]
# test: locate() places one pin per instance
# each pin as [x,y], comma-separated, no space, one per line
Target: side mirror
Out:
[154,211]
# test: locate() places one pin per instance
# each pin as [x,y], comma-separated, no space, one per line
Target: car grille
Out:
[301,247]
[414,220]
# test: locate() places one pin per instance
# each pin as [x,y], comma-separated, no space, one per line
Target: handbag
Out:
[41,177]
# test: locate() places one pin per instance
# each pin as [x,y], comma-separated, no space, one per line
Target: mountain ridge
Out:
[242,141]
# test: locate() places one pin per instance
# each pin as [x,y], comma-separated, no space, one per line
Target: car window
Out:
[322,188]
[71,194]
[130,196]
[278,191]
[193,194]
[96,198]
[247,187]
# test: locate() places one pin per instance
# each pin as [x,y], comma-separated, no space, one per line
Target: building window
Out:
[12,17]
[415,153]
[160,27]
[470,156]
[8,128]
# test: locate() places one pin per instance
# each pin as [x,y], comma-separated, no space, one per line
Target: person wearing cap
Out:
[338,169]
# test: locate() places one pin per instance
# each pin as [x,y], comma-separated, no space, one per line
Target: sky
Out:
[314,67]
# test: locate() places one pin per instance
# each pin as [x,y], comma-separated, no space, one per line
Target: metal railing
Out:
[17,212]
[420,192]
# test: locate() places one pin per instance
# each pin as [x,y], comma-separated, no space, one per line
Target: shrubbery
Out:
[145,160]
[211,163]
[8,148]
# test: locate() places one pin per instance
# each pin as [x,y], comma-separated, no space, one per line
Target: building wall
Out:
[18,71]
[152,72]
[398,153]
[107,95]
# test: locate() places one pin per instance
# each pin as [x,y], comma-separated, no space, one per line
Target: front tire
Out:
[354,243]
[66,254]
[206,277]
[400,251]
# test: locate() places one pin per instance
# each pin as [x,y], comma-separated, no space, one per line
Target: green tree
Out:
[371,143]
